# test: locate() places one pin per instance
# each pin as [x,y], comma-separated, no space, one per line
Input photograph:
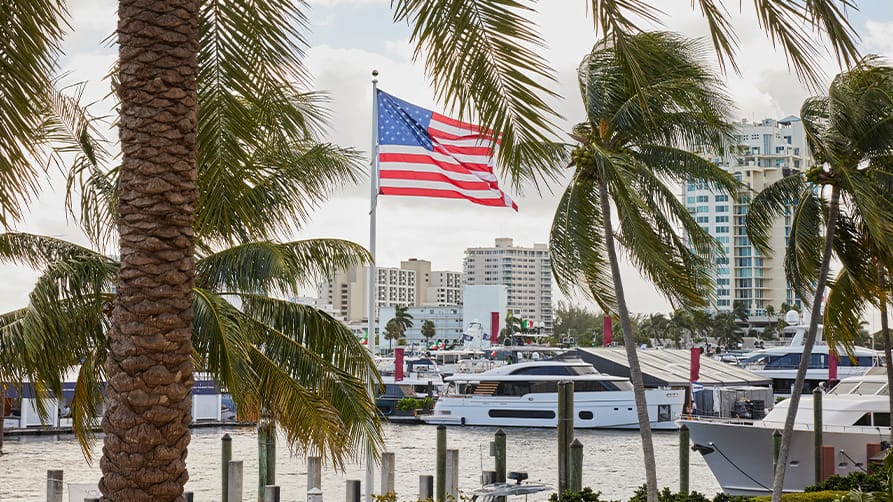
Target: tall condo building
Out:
[413,284]
[763,153]
[526,272]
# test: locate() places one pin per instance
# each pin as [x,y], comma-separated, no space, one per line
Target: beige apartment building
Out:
[525,271]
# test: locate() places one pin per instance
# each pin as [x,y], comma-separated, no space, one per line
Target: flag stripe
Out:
[446,194]
[419,175]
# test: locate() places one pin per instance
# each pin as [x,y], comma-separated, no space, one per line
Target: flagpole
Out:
[372,276]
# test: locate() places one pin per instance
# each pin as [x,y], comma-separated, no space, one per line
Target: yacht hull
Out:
[609,410]
[740,453]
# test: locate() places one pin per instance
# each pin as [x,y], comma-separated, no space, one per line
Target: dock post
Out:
[353,490]
[683,459]
[440,475]
[226,454]
[234,478]
[314,495]
[776,447]
[189,496]
[54,485]
[314,473]
[817,432]
[575,467]
[452,474]
[271,453]
[272,493]
[426,487]
[500,462]
[2,415]
[565,429]
[388,466]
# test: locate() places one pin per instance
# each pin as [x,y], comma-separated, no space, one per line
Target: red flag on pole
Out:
[609,335]
[832,367]
[695,364]
[398,364]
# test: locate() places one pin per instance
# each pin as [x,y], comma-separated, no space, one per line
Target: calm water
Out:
[612,462]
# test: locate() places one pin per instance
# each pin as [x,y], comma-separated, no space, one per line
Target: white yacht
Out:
[526,395]
[780,363]
[855,413]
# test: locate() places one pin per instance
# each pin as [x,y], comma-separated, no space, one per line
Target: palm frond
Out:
[273,193]
[576,244]
[32,32]
[483,58]
[803,255]
[771,203]
[845,307]
[276,267]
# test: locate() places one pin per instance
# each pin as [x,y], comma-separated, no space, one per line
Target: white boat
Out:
[526,395]
[780,363]
[855,413]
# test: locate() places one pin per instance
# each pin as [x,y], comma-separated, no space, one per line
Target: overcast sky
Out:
[350,38]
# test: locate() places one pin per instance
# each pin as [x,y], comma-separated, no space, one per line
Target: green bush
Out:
[823,496]
[587,495]
[874,482]
[411,403]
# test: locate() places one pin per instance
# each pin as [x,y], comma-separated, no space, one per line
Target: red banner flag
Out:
[695,364]
[609,335]
[398,364]
[832,368]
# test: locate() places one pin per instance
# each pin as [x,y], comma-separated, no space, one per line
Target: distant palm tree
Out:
[640,123]
[428,330]
[403,317]
[393,330]
[850,134]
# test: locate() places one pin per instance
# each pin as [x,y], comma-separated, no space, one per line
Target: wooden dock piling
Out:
[353,490]
[440,475]
[388,467]
[683,459]
[226,454]
[234,481]
[426,487]
[452,474]
[54,485]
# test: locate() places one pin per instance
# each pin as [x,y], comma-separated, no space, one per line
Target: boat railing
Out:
[800,426]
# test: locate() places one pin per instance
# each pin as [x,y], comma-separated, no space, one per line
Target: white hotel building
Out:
[525,271]
[765,152]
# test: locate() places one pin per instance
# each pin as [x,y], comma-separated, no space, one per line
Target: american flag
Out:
[426,154]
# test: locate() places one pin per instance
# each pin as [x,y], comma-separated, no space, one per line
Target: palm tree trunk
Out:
[885,333]
[149,363]
[635,370]
[808,343]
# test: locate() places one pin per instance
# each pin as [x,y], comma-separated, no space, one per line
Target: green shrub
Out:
[665,495]
[874,482]
[587,495]
[823,496]
[411,403]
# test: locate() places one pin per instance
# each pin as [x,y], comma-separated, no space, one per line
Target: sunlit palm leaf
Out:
[482,56]
[276,267]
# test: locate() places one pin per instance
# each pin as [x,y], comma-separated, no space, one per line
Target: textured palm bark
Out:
[149,365]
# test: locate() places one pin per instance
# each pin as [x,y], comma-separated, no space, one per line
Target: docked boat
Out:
[855,414]
[780,363]
[526,395]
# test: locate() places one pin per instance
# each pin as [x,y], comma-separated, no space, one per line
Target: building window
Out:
[721,198]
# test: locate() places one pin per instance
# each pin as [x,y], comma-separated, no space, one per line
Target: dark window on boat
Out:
[882,419]
[864,420]
[844,360]
[542,370]
[512,389]
[601,386]
[663,413]
[544,387]
[541,414]
[586,415]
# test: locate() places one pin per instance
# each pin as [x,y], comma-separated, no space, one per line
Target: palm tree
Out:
[850,133]
[392,331]
[630,144]
[726,330]
[428,330]
[403,317]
